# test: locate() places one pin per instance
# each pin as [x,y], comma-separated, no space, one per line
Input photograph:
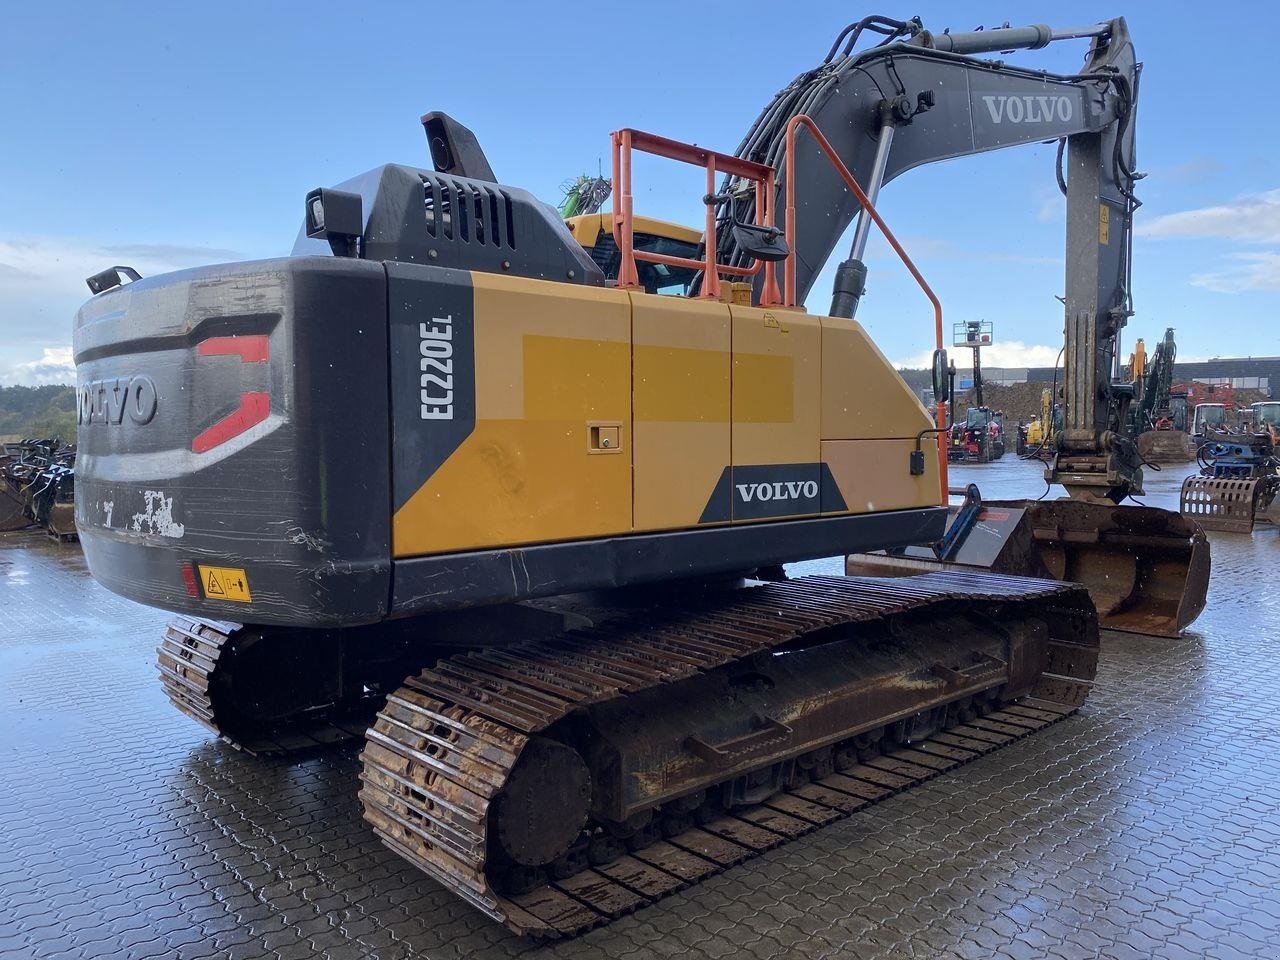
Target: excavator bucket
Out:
[1220,504]
[1166,446]
[12,508]
[1147,570]
[12,504]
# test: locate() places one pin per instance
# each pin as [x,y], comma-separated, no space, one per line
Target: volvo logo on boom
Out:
[1028,109]
[110,401]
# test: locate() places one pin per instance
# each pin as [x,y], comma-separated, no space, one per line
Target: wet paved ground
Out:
[1147,825]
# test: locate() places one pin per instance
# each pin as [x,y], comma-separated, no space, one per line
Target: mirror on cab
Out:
[941,377]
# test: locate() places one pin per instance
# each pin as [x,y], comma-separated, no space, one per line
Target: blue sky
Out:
[174,134]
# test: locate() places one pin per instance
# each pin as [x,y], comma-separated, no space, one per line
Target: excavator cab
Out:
[595,232]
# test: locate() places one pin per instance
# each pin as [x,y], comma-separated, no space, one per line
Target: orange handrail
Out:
[789,273]
[762,175]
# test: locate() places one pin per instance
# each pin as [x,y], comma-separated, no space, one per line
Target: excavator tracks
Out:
[446,780]
[196,659]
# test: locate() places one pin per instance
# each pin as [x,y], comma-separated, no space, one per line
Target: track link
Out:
[445,744]
[194,660]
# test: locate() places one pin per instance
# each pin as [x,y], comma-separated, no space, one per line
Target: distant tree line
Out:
[48,411]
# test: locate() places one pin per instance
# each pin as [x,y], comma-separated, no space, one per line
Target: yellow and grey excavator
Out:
[508,499]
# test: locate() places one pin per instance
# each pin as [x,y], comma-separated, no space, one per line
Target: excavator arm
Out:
[920,97]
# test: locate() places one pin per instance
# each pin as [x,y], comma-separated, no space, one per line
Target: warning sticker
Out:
[1104,223]
[225,583]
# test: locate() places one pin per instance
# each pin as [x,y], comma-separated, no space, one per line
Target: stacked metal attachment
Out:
[37,486]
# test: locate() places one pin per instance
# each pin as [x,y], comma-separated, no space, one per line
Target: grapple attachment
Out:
[1231,505]
[1147,570]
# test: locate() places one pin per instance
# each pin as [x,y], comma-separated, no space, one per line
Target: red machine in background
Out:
[1198,392]
[979,438]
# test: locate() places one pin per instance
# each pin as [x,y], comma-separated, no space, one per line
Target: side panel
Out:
[875,475]
[681,373]
[862,395]
[776,414]
[870,419]
[549,363]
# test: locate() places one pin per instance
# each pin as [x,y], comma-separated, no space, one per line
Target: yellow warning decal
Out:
[1104,223]
[771,321]
[225,583]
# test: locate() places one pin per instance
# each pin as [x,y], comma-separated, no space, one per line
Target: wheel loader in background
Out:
[434,467]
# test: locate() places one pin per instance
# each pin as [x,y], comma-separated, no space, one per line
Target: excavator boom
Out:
[918,98]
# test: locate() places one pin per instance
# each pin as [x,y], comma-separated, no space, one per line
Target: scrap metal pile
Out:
[37,486]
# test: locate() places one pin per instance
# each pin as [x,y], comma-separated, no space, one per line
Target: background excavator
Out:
[1158,419]
[434,482]
[1037,442]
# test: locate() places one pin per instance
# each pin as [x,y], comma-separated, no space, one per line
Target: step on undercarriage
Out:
[559,783]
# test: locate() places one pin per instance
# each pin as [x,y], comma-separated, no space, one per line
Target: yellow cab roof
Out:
[587,228]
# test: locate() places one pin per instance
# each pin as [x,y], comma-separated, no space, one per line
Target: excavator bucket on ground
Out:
[1166,446]
[1238,482]
[1147,570]
[13,514]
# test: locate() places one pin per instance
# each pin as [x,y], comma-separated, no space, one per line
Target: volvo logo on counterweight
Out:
[110,401]
[1028,109]
[785,490]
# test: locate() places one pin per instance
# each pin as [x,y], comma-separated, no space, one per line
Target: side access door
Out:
[511,408]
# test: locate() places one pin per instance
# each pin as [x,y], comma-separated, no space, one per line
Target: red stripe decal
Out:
[251,349]
[253,409]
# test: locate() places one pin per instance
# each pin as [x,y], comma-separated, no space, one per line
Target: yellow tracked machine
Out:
[508,499]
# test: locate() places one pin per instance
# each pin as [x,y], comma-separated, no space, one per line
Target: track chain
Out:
[192,658]
[444,744]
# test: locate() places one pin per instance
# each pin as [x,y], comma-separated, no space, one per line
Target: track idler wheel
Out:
[541,812]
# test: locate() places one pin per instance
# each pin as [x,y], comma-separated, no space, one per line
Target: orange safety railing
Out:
[762,175]
[789,271]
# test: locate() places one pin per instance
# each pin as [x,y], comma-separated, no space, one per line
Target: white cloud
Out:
[42,285]
[54,366]
[1252,271]
[56,266]
[1010,353]
[1251,218]
[1050,204]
